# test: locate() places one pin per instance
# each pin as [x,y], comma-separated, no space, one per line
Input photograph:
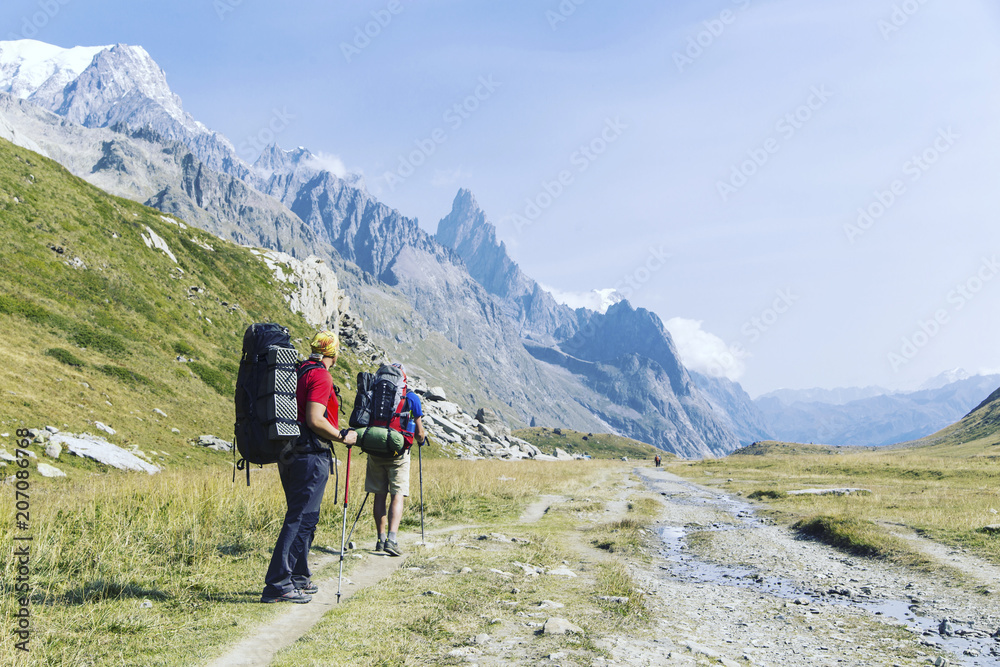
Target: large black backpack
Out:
[379,409]
[361,415]
[266,411]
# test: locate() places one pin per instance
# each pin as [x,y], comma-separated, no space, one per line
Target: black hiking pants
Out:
[303,480]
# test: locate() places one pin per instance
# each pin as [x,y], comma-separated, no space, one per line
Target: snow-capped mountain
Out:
[28,66]
[103,86]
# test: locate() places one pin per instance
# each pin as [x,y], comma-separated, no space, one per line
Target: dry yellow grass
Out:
[196,546]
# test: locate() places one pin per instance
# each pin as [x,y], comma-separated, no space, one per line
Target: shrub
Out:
[769,494]
[65,356]
[185,349]
[108,343]
[223,383]
[125,375]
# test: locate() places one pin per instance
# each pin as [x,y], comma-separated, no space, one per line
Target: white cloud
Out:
[328,162]
[705,352]
[598,300]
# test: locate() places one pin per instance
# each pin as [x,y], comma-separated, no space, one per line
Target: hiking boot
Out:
[392,548]
[309,589]
[379,546]
[295,596]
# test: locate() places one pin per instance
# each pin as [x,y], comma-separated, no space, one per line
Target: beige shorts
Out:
[388,475]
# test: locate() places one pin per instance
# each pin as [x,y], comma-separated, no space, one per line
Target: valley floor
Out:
[707,580]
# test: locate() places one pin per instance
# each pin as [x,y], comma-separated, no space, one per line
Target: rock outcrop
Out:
[317,293]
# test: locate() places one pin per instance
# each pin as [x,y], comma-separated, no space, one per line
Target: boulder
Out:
[45,470]
[212,442]
[53,450]
[102,451]
[562,455]
[447,408]
[828,492]
[560,626]
[490,418]
[104,427]
[435,394]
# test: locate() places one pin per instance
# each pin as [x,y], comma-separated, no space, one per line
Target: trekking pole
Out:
[360,510]
[420,466]
[343,527]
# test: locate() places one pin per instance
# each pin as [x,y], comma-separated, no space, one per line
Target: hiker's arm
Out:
[420,432]
[321,426]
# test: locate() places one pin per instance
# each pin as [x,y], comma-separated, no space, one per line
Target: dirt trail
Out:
[259,648]
[979,571]
[536,510]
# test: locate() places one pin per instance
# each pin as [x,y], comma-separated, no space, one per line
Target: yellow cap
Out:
[325,343]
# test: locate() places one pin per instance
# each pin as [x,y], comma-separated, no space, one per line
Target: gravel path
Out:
[727,587]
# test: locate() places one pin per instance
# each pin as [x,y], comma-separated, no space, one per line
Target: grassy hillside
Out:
[772,447]
[598,445]
[976,434]
[94,320]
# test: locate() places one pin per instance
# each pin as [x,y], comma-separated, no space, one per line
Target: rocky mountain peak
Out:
[468,231]
[274,161]
[624,330]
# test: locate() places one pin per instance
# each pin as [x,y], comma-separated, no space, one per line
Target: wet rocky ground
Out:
[726,586]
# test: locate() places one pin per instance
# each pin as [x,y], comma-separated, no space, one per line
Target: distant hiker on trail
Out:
[656,460]
[304,476]
[391,476]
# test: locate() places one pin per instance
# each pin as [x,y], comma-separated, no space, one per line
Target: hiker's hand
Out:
[350,437]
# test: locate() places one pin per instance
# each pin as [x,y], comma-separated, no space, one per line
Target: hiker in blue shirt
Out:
[390,477]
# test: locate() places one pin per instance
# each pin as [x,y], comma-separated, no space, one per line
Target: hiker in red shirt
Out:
[305,473]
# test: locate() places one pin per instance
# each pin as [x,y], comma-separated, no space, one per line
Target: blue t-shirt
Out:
[415,409]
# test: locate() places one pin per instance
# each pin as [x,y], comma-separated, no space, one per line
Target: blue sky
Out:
[622,123]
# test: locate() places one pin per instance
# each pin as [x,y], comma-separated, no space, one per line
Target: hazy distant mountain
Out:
[877,420]
[838,396]
[946,378]
[740,412]
[975,434]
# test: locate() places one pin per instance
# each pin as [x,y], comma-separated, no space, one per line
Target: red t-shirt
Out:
[316,386]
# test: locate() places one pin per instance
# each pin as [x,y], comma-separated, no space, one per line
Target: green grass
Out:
[597,445]
[125,376]
[859,537]
[222,382]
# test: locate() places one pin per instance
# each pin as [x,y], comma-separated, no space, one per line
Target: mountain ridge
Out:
[123,88]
